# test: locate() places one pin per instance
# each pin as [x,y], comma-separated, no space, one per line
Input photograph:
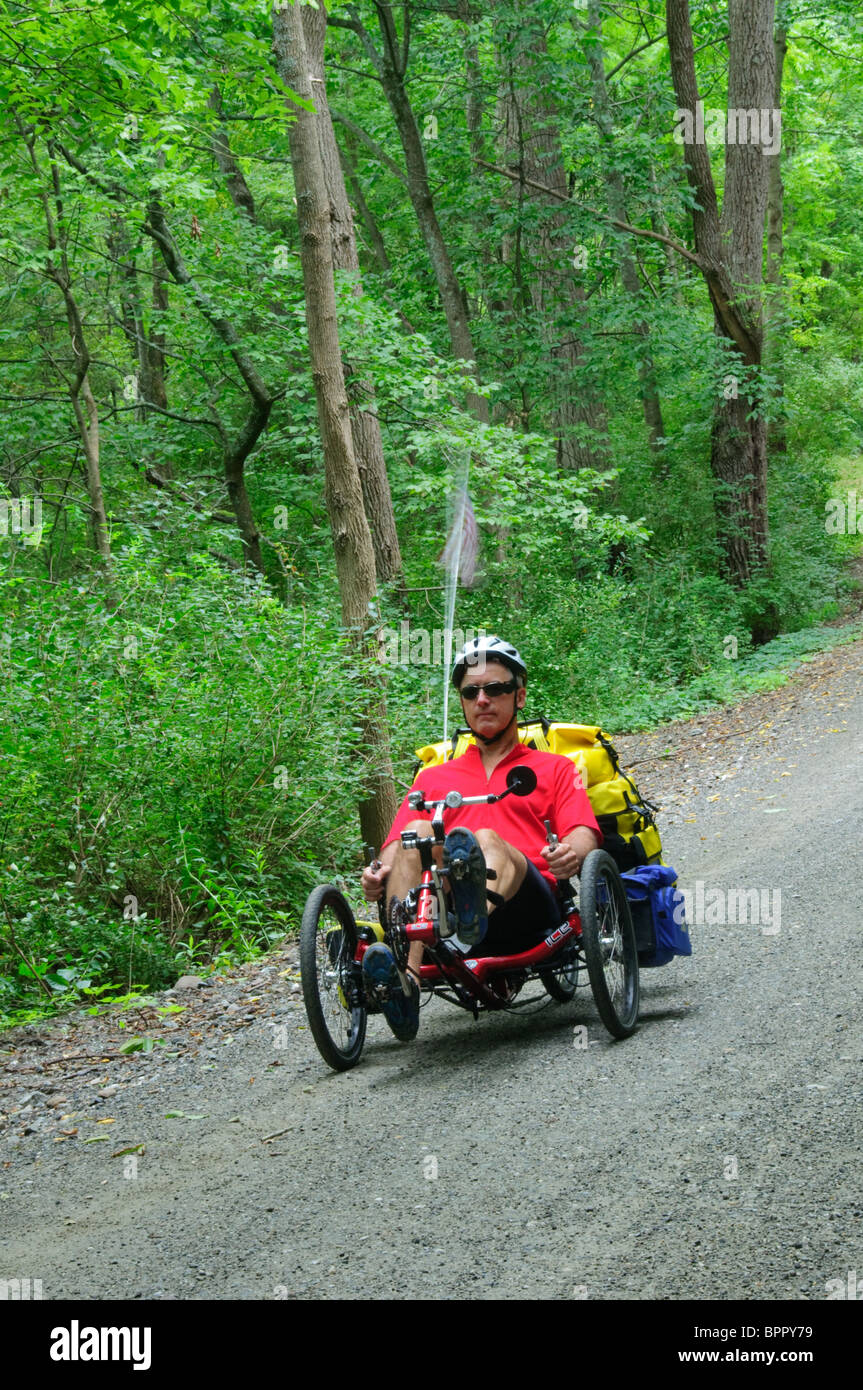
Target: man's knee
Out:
[498,850]
[509,863]
[423,828]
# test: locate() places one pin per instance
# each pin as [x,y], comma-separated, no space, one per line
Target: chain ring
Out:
[395,933]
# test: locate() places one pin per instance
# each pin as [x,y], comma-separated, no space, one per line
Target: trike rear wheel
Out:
[332,990]
[609,943]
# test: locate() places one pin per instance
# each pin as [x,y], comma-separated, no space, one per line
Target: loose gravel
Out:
[715,1154]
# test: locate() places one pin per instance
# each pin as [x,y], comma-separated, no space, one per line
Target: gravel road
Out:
[715,1154]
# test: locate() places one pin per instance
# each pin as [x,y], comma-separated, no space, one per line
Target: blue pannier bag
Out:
[657,909]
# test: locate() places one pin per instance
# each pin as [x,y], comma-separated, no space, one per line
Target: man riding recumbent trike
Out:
[473,884]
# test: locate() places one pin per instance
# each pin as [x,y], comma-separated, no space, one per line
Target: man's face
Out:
[489,715]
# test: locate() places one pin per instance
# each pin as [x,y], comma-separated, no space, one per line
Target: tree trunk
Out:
[658,224]
[156,340]
[390,64]
[531,145]
[355,564]
[730,257]
[365,428]
[131,317]
[474,92]
[240,193]
[774,309]
[79,385]
[740,444]
[616,197]
[89,431]
[236,451]
[146,346]
[373,231]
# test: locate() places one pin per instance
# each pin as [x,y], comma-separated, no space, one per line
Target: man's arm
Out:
[566,859]
[571,808]
[374,880]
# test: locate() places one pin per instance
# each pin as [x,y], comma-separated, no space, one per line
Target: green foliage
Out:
[167,769]
[181,745]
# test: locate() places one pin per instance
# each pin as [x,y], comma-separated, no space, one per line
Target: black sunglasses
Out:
[492,690]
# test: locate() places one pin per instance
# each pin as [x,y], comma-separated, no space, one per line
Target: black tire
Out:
[332,989]
[561,981]
[609,943]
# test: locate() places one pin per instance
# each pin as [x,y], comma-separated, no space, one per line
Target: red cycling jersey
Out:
[559,798]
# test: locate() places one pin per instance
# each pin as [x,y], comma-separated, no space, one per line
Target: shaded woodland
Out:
[273,284]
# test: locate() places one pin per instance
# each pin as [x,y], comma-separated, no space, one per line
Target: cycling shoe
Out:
[464,865]
[383,984]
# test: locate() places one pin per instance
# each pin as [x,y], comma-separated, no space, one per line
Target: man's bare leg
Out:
[509,864]
[405,874]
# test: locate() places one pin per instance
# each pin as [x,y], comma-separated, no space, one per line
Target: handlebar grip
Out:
[550,836]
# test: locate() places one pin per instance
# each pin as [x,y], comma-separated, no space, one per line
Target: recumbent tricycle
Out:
[596,933]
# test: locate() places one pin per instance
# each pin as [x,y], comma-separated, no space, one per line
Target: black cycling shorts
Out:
[525,920]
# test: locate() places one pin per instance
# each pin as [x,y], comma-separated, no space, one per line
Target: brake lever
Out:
[564,884]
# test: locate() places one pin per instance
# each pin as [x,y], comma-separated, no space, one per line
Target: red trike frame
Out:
[475,974]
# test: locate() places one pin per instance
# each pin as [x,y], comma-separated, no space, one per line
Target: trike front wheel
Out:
[561,980]
[332,989]
[609,943]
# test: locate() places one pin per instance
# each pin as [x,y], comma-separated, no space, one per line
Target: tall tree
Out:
[355,563]
[77,380]
[543,248]
[774,304]
[390,64]
[616,198]
[146,340]
[235,179]
[236,449]
[365,426]
[730,250]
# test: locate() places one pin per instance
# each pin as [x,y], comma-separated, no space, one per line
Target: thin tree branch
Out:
[171,414]
[372,144]
[595,212]
[632,54]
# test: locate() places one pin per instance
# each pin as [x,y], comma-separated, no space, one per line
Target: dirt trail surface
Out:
[715,1154]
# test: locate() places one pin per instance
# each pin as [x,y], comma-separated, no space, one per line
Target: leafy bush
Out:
[167,766]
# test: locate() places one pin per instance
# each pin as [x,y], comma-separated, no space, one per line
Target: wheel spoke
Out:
[331,971]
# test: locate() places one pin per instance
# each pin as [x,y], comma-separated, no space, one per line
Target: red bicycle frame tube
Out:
[424,929]
[474,972]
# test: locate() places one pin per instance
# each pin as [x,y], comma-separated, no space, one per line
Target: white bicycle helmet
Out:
[488,649]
